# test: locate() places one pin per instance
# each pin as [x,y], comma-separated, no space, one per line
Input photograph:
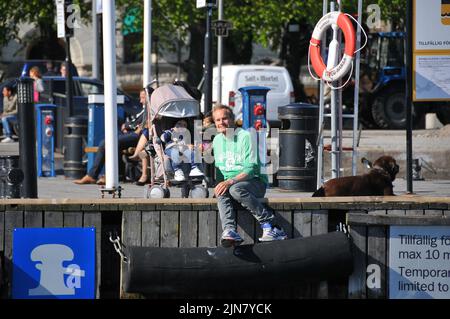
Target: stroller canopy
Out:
[173,101]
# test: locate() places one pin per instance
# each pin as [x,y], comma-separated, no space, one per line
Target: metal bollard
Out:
[74,138]
[11,176]
[27,137]
[417,170]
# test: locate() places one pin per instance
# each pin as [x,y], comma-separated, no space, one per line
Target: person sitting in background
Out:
[63,70]
[207,124]
[128,137]
[9,113]
[50,69]
[38,84]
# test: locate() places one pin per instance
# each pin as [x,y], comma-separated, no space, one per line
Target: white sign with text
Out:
[432,77]
[431,25]
[419,262]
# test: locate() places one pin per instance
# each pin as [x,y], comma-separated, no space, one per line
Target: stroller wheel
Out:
[199,191]
[157,191]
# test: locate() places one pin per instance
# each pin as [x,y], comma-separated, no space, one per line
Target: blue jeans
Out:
[247,194]
[123,142]
[177,160]
[5,122]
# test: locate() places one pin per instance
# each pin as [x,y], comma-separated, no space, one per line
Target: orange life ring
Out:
[345,64]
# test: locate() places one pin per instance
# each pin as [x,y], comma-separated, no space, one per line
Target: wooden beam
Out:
[365,219]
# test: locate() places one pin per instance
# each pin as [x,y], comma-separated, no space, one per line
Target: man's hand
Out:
[222,188]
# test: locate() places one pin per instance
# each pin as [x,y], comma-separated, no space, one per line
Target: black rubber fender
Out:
[275,264]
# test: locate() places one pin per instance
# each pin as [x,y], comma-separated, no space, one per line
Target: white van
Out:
[236,76]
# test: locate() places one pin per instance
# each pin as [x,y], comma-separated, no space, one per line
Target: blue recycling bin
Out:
[96,122]
[254,107]
[45,132]
[254,116]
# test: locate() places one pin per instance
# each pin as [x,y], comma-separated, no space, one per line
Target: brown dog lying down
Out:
[377,182]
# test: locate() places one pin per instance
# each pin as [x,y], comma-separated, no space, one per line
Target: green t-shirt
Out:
[237,154]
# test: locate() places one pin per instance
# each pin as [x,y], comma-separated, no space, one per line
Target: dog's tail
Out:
[319,193]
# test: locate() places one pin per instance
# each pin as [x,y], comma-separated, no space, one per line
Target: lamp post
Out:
[69,76]
[27,137]
[209,5]
[147,76]
[109,57]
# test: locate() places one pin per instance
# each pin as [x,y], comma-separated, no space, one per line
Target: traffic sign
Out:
[221,27]
[206,3]
[64,22]
[60,18]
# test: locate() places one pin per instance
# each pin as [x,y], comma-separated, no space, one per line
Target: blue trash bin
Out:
[45,133]
[96,123]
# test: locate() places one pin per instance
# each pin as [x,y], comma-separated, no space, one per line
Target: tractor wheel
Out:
[365,116]
[389,111]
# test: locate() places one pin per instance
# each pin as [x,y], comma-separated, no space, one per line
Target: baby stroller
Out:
[169,104]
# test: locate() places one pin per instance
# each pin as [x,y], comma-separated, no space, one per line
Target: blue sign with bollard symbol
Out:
[53,263]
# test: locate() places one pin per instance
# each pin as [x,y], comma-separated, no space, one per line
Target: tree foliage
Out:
[262,20]
[40,13]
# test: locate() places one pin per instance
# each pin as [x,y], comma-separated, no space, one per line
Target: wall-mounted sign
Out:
[419,262]
[431,50]
[53,263]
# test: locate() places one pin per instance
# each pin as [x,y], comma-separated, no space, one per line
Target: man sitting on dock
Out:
[236,160]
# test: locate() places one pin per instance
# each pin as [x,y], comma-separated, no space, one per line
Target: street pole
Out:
[99,38]
[408,97]
[95,36]
[178,54]
[356,93]
[207,72]
[208,59]
[69,79]
[109,56]
[321,114]
[219,57]
[333,57]
[155,43]
[147,78]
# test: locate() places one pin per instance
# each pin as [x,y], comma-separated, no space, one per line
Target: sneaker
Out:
[195,172]
[179,176]
[230,238]
[271,233]
[7,140]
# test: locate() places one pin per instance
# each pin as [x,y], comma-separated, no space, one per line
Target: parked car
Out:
[55,87]
[17,69]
